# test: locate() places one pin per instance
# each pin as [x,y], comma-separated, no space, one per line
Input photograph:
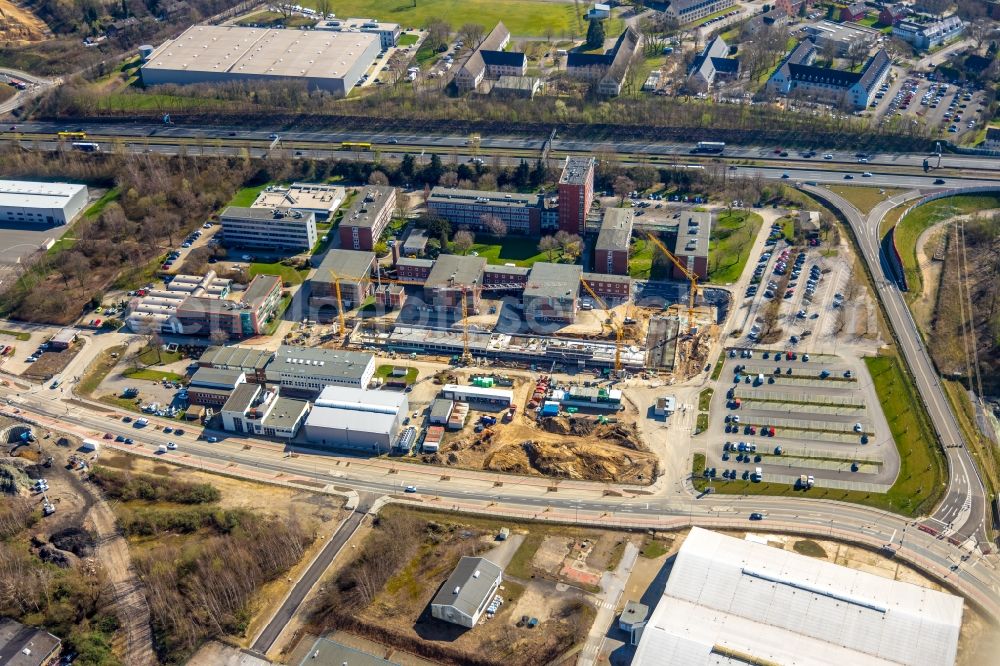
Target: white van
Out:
[758,474]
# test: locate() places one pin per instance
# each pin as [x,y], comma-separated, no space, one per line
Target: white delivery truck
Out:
[758,474]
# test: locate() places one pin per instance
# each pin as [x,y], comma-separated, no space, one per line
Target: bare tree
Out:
[378,178]
[494,225]
[323,8]
[548,245]
[472,34]
[622,186]
[463,241]
[438,31]
[218,337]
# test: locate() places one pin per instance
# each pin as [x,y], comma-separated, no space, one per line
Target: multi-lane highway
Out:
[669,504]
[963,511]
[325,144]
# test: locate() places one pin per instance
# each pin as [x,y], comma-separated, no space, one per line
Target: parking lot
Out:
[794,390]
[953,109]
[788,416]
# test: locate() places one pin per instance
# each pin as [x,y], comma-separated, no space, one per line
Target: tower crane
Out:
[690,275]
[466,354]
[619,333]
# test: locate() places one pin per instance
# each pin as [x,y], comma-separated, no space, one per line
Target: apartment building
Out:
[489,60]
[353,268]
[362,226]
[522,213]
[685,11]
[929,34]
[611,288]
[450,277]
[200,315]
[691,248]
[576,194]
[268,228]
[798,76]
[613,241]
[712,64]
[853,12]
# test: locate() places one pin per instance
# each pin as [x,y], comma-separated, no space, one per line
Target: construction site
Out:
[533,425]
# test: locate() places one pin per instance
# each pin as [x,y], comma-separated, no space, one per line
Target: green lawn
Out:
[286,273]
[910,227]
[921,480]
[20,335]
[385,372]
[407,40]
[98,370]
[98,206]
[788,226]
[864,198]
[153,375]
[701,425]
[247,195]
[705,398]
[519,250]
[524,18]
[270,18]
[640,264]
[729,248]
[149,356]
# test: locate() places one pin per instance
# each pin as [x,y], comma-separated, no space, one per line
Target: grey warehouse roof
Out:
[335,364]
[455,269]
[616,229]
[443,194]
[347,264]
[26,194]
[553,280]
[244,213]
[262,52]
[769,605]
[285,413]
[472,588]
[242,357]
[349,408]
[242,398]
[210,377]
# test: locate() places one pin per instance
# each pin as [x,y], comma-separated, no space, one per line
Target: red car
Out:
[108,435]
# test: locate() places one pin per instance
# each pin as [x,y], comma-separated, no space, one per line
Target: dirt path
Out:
[930,273]
[130,602]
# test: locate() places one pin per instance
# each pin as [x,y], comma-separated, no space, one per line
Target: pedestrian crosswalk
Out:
[606,604]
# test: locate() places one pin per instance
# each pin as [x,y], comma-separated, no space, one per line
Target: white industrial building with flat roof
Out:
[353,418]
[330,61]
[40,204]
[268,228]
[732,601]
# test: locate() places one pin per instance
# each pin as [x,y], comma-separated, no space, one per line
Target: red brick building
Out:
[853,12]
[611,250]
[611,288]
[892,14]
[691,248]
[576,194]
[413,270]
[362,226]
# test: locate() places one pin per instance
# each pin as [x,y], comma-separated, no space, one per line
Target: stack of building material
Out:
[458,416]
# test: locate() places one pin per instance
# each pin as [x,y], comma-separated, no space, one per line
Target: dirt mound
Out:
[75,540]
[575,460]
[54,556]
[623,434]
[19,25]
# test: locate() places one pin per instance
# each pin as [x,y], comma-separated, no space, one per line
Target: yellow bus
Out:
[72,135]
[355,145]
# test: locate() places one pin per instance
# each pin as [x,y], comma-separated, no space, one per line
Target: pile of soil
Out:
[75,540]
[575,460]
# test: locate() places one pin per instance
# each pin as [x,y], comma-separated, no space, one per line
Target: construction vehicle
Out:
[690,275]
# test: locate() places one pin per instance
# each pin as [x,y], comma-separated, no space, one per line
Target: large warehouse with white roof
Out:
[353,418]
[40,204]
[330,61]
[731,601]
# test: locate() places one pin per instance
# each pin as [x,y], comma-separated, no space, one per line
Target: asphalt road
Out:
[960,564]
[283,616]
[429,143]
[963,510]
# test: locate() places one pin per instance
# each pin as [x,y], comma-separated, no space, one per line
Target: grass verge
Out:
[912,225]
[705,398]
[20,335]
[864,198]
[288,274]
[153,375]
[98,370]
[385,371]
[729,245]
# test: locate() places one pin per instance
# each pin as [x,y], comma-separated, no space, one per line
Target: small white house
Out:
[665,405]
[467,593]
[599,11]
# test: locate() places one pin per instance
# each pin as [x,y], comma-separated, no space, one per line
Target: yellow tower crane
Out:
[619,333]
[340,303]
[693,277]
[466,354]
